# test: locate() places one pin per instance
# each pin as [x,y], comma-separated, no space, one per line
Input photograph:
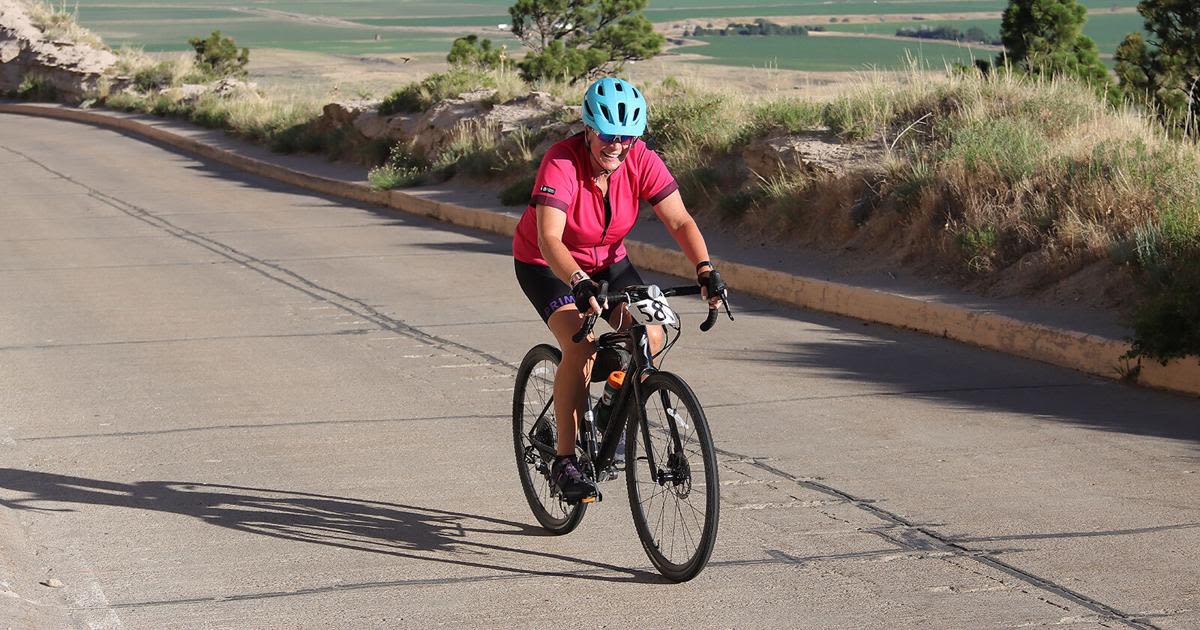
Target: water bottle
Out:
[604,407]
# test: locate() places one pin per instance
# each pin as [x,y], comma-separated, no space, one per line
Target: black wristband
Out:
[702,263]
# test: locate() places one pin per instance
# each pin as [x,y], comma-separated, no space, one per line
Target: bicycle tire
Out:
[531,394]
[677,557]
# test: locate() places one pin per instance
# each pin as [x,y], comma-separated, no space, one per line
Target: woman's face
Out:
[607,155]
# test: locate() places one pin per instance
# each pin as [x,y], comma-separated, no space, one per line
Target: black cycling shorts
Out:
[548,294]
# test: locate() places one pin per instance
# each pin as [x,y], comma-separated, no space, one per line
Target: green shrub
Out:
[407,99]
[690,119]
[125,101]
[420,96]
[36,87]
[978,245]
[161,105]
[405,167]
[473,51]
[1166,324]
[387,177]
[303,138]
[375,152]
[155,77]
[859,116]
[519,192]
[999,145]
[735,206]
[218,57]
[791,115]
[912,178]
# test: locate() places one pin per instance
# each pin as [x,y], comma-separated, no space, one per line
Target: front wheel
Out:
[534,437]
[671,474]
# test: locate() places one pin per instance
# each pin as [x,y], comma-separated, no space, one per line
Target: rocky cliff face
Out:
[72,70]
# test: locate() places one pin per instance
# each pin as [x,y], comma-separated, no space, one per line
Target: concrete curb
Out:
[1079,351]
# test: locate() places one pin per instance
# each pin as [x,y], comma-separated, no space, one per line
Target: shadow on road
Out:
[900,363]
[399,530]
[974,380]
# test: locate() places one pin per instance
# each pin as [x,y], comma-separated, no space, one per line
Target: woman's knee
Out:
[657,336]
[564,323]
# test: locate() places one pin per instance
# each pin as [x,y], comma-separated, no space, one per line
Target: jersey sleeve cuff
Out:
[664,193]
[545,200]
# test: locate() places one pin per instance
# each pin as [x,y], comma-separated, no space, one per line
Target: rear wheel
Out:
[671,473]
[534,438]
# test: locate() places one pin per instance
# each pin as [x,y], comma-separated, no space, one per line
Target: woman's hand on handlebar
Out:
[712,288]
[585,292]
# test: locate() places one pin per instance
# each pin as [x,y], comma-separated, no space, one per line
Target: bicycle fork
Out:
[675,472]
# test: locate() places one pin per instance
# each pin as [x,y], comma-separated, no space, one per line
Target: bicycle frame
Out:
[626,408]
[641,364]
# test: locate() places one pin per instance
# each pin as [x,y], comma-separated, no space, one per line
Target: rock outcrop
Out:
[71,69]
[813,152]
[432,131]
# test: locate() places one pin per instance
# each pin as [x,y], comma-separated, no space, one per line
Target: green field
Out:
[158,25]
[670,10]
[266,33]
[1108,29]
[827,54]
[93,14]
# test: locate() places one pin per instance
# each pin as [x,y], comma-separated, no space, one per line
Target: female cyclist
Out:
[571,237]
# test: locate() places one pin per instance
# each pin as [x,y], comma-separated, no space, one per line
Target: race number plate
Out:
[653,310]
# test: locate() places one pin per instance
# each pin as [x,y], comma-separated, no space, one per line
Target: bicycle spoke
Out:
[677,519]
[535,430]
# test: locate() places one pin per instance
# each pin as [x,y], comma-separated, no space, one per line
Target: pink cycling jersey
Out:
[564,182]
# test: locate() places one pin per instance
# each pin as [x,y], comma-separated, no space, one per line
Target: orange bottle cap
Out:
[617,378]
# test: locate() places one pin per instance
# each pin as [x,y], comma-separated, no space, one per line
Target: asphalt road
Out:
[231,404]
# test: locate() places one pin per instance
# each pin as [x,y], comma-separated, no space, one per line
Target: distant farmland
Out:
[425,26]
[1108,29]
[820,54]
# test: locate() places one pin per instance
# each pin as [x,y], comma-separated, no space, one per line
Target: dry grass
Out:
[59,23]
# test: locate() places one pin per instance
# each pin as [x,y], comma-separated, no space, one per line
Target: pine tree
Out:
[1165,70]
[579,39]
[1045,38]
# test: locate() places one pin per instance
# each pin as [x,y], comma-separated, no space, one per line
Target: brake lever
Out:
[714,313]
[586,329]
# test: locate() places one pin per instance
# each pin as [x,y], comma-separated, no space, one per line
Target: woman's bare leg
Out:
[571,380]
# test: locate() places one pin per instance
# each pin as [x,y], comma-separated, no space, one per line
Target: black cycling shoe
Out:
[573,486]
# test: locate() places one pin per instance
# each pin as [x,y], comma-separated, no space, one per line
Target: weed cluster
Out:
[474,149]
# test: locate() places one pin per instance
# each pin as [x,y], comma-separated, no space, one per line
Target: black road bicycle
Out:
[671,471]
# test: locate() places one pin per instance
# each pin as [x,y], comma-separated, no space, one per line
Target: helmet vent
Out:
[621,113]
[607,114]
[636,113]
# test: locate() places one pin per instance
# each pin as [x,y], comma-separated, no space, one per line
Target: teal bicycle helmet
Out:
[614,107]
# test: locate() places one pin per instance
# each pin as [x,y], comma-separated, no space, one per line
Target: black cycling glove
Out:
[710,279]
[583,291]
